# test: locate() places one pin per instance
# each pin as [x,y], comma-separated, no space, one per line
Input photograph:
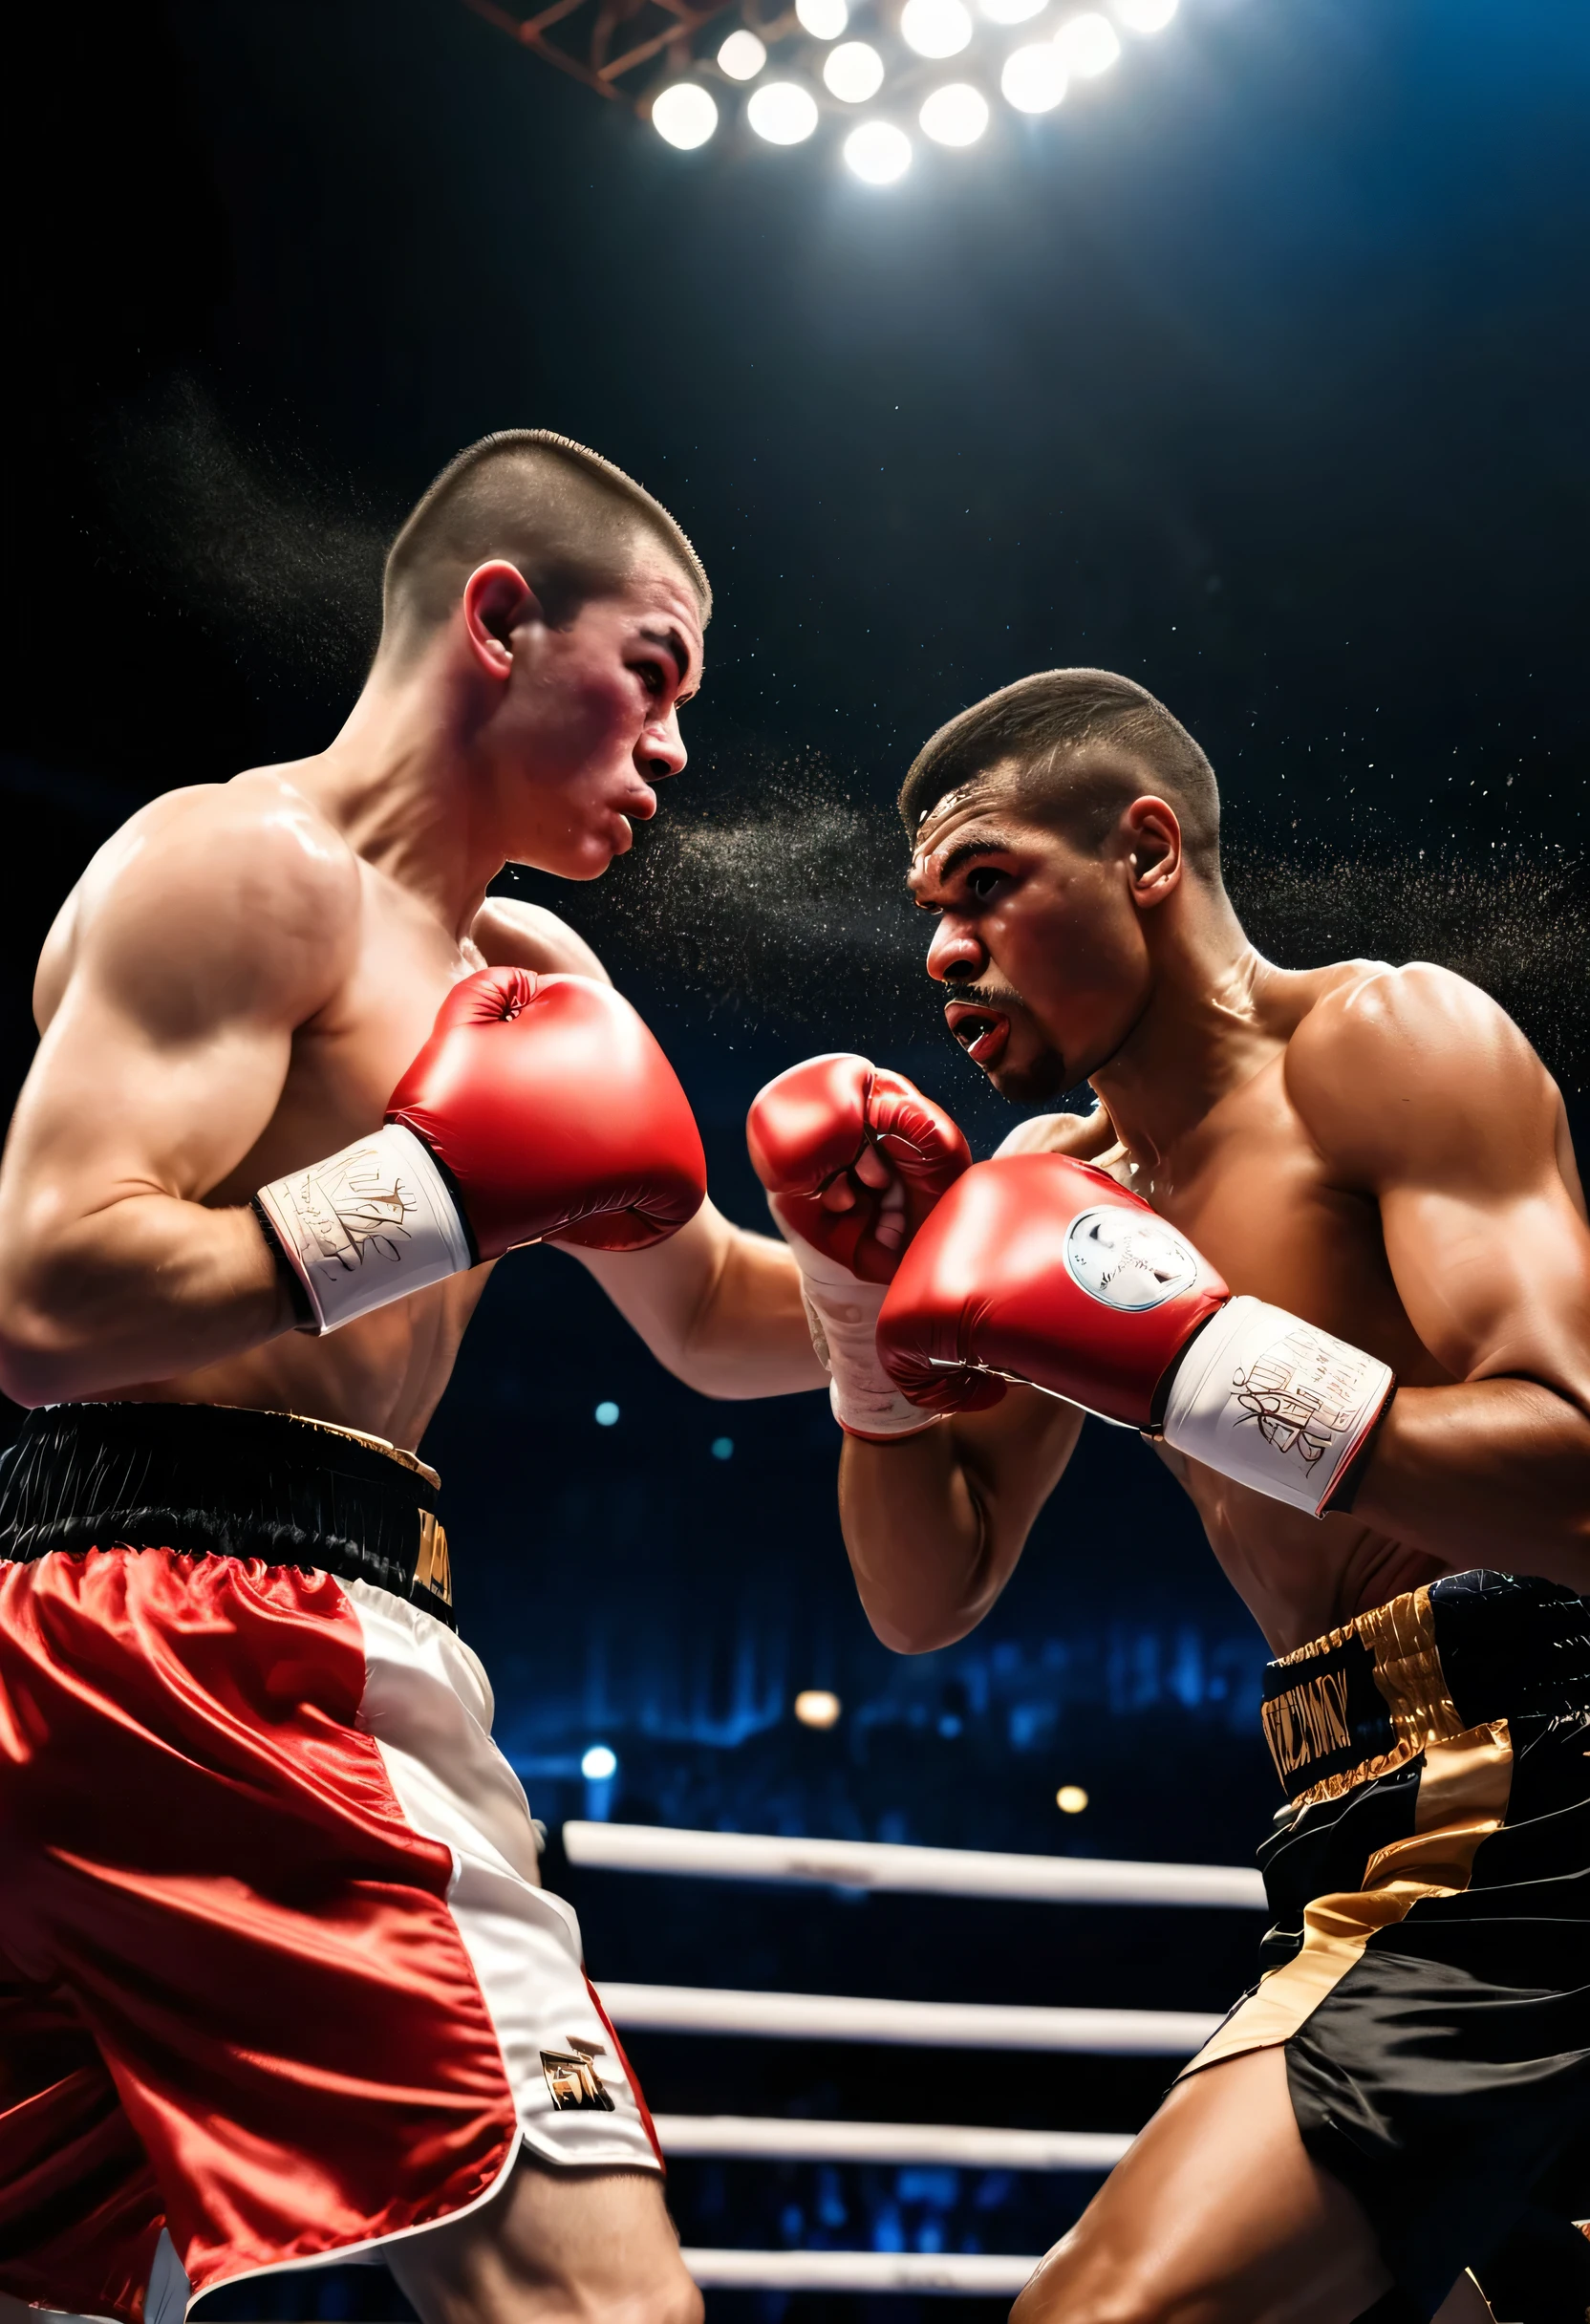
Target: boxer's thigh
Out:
[1217,2215]
[595,2245]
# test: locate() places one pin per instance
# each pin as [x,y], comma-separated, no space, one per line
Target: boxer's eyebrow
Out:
[965,851]
[674,645]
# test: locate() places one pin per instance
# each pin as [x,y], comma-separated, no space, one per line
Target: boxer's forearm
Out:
[145,1288]
[1487,1473]
[719,1307]
[935,1523]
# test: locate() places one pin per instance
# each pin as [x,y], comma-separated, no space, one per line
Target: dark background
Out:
[1259,374]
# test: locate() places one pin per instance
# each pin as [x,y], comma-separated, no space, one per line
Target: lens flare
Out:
[823,20]
[684,114]
[1013,12]
[1146,16]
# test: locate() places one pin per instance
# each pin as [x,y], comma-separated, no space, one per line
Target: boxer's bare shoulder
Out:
[204,863]
[508,933]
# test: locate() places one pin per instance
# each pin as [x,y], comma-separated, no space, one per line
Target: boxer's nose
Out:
[955,957]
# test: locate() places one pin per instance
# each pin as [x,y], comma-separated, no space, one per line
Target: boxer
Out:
[1323,1241]
[278,1982]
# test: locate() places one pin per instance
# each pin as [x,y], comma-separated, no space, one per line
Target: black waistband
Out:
[215,1481]
[1456,1654]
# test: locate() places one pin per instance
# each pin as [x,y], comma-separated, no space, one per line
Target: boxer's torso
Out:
[384,1373]
[1248,1184]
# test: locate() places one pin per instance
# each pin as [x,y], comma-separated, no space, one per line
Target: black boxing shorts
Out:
[278,1981]
[1428,1968]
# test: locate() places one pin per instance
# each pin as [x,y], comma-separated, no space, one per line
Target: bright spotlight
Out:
[823,20]
[1146,16]
[954,116]
[1011,11]
[599,1764]
[816,1707]
[878,152]
[1034,79]
[853,71]
[684,114]
[783,111]
[741,56]
[935,28]
[1088,44]
[1070,1799]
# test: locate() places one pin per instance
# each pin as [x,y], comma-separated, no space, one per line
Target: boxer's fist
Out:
[832,1123]
[555,1114]
[1039,1268]
[539,1108]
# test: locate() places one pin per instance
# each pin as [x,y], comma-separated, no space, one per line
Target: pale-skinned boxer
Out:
[1323,1242]
[278,1983]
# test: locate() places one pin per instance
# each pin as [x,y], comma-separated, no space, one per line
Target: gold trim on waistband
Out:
[377,1444]
[1308,1721]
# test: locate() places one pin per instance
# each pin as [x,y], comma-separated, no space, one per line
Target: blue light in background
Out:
[607,1414]
[722,1448]
[600,1764]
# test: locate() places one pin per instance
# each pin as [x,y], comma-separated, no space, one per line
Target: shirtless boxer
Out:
[1386,1435]
[278,1983]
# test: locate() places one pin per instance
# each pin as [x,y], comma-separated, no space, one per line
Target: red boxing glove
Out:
[1041,1269]
[541,1108]
[815,1122]
[809,1128]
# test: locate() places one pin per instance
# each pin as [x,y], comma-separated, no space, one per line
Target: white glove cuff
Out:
[1274,1402]
[367,1226]
[842,1313]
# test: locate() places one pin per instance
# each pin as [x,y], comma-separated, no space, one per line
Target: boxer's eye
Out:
[653,676]
[985,882]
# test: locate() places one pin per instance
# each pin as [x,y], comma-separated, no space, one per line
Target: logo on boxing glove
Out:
[1128,1263]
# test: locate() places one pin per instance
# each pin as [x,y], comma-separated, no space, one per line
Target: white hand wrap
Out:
[367,1226]
[1274,1402]
[842,1313]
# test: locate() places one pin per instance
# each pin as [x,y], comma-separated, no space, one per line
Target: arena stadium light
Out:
[741,57]
[955,114]
[823,20]
[1089,45]
[878,152]
[818,57]
[1034,77]
[936,28]
[853,71]
[783,111]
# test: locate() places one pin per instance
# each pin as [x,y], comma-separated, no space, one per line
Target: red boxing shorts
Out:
[278,1981]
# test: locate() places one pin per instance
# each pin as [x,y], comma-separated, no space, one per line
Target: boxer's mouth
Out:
[981,1032]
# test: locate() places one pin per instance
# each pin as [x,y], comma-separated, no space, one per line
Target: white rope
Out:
[685,2009]
[859,1864]
[962,2275]
[965,2147]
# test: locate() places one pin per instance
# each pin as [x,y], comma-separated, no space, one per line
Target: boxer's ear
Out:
[497,600]
[1153,850]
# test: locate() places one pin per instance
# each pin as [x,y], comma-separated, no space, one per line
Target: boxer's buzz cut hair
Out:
[1074,747]
[571,521]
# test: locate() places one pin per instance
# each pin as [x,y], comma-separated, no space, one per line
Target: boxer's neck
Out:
[410,796]
[1205,1027]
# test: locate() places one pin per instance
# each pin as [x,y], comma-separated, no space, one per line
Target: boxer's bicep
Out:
[510,932]
[165,1056]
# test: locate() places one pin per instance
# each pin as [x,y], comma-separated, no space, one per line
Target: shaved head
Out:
[1073,749]
[574,525]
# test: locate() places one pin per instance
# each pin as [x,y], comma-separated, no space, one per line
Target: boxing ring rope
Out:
[881,1866]
[938,2025]
[858,1864]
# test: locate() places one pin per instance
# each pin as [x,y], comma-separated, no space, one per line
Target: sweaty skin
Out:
[244,971]
[1376,1150]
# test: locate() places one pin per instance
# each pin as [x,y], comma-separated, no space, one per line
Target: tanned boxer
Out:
[1323,1242]
[278,1982]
